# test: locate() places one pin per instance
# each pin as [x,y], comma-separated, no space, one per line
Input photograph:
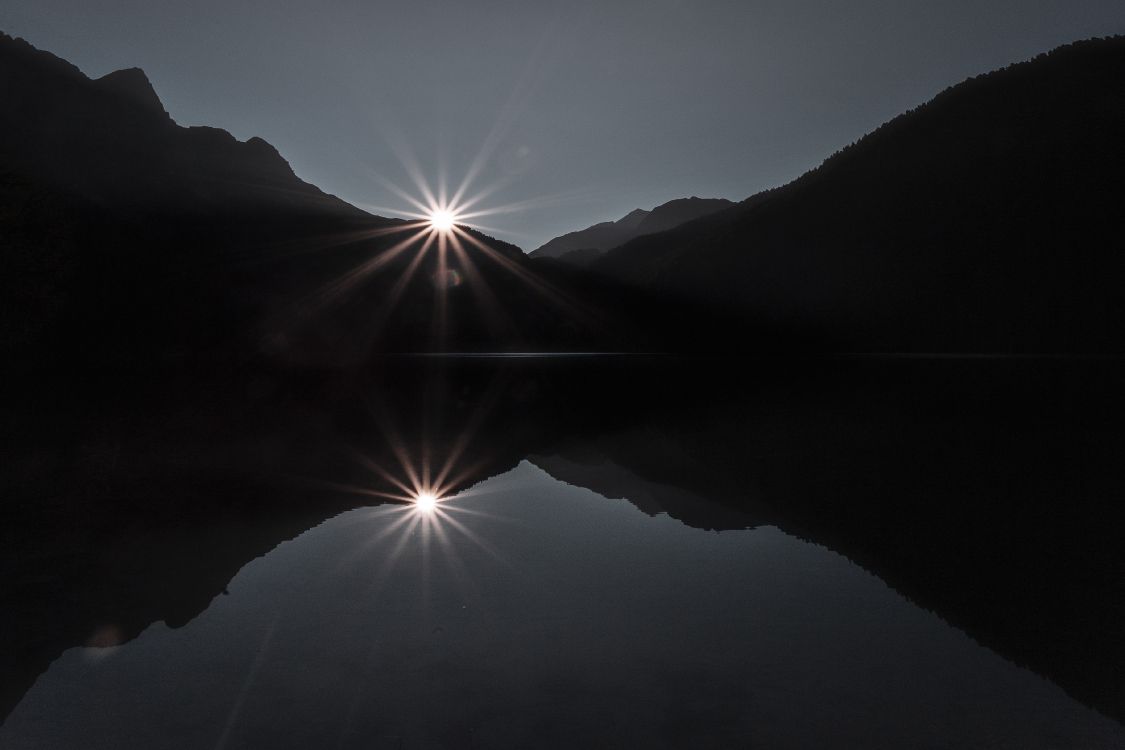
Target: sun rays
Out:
[421,522]
[422,484]
[431,280]
[440,234]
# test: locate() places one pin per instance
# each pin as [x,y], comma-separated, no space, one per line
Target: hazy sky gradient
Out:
[595,107]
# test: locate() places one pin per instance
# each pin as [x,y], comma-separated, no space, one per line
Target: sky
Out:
[572,112]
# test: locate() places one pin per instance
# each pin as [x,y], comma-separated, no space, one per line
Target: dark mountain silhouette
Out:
[110,142]
[132,84]
[679,211]
[581,247]
[601,236]
[129,240]
[986,220]
[124,231]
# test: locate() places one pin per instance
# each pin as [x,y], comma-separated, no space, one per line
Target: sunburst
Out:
[439,243]
[442,220]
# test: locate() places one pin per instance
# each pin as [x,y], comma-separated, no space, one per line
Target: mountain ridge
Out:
[156,164]
[133,84]
[133,242]
[581,246]
[980,221]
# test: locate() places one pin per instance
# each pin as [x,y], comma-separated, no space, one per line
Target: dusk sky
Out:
[581,110]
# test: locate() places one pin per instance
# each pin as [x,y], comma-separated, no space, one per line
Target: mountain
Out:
[581,247]
[124,234]
[987,220]
[601,236]
[110,142]
[130,241]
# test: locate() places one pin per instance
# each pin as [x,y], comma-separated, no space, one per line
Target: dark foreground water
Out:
[530,613]
[571,591]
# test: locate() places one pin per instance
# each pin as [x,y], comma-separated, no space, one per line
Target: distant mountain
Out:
[601,236]
[581,247]
[987,220]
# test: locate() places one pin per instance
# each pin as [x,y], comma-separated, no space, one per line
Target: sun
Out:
[425,502]
[442,220]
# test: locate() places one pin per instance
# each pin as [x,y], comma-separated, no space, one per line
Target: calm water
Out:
[682,555]
[531,613]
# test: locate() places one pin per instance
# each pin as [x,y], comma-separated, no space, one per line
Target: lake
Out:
[624,555]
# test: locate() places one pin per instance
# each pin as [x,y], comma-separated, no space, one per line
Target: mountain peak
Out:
[125,153]
[133,85]
[632,219]
[679,211]
[18,52]
[585,245]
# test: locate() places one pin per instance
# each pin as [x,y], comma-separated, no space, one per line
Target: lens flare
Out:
[448,279]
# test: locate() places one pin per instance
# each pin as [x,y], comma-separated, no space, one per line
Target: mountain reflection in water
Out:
[529,609]
[576,622]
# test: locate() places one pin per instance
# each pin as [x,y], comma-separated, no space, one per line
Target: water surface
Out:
[532,613]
